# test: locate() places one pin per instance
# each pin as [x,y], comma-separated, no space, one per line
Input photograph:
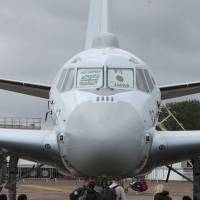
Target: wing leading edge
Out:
[34,145]
[173,91]
[32,89]
[170,147]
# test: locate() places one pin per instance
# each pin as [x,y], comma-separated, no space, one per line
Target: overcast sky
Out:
[38,36]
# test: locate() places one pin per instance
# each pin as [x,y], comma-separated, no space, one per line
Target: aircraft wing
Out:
[173,146]
[25,88]
[173,91]
[34,145]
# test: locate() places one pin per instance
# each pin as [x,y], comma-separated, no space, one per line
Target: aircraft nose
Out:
[104,139]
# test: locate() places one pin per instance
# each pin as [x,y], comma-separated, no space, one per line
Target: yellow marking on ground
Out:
[53,189]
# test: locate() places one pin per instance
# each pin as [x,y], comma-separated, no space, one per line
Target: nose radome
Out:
[104,139]
[99,120]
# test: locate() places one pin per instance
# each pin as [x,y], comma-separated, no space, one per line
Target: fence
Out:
[160,173]
[20,123]
[44,172]
[39,173]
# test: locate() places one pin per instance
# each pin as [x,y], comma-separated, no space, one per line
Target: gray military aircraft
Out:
[105,104]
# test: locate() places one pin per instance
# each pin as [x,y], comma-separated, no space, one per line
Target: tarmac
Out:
[60,189]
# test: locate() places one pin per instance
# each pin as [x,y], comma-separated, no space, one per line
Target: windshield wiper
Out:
[99,88]
[110,87]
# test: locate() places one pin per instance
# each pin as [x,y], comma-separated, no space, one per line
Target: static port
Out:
[147,138]
[61,137]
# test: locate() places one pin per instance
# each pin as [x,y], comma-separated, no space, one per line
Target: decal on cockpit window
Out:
[120,78]
[89,78]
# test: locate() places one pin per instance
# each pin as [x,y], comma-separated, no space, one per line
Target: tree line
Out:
[186,112]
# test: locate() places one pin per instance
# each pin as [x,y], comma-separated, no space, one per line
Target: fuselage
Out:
[105,105]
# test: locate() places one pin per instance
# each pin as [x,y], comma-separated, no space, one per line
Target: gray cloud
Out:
[37,37]
[165,34]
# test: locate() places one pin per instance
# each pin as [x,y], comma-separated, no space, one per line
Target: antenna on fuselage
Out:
[99,25]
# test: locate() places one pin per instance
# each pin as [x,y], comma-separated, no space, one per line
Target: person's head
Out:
[91,184]
[159,188]
[186,198]
[22,197]
[116,180]
[3,197]
[86,181]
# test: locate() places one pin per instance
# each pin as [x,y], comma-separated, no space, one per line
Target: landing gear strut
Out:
[196,175]
[3,166]
[12,177]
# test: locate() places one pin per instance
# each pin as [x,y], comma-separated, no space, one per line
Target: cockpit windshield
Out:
[90,78]
[120,78]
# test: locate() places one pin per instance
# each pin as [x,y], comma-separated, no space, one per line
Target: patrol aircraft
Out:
[105,104]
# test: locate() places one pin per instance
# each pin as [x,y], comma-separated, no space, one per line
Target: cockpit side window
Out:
[141,81]
[69,81]
[153,81]
[60,82]
[149,80]
[66,80]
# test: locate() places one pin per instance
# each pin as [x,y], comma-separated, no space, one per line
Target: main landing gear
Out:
[9,182]
[12,177]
